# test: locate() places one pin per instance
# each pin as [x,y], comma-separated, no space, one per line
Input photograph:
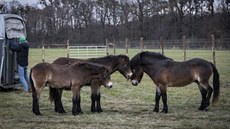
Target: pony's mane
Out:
[108,59]
[123,56]
[137,58]
[154,55]
[110,56]
[90,66]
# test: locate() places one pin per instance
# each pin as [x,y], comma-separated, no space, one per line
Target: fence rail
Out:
[86,51]
[93,51]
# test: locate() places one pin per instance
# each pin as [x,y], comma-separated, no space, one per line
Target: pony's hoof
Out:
[61,112]
[93,110]
[77,113]
[99,110]
[202,108]
[37,113]
[164,111]
[156,110]
[208,104]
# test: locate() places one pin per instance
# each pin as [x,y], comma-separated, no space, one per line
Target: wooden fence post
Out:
[126,46]
[114,49]
[141,44]
[107,47]
[43,53]
[67,44]
[162,45]
[184,47]
[213,50]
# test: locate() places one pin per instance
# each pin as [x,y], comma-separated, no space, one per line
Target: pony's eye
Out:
[105,76]
[133,71]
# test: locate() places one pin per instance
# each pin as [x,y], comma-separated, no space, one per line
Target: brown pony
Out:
[72,76]
[114,62]
[168,73]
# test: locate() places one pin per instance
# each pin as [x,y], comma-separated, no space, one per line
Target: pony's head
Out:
[135,64]
[105,78]
[124,67]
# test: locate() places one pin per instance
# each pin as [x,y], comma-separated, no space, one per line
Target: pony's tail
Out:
[31,82]
[53,94]
[216,85]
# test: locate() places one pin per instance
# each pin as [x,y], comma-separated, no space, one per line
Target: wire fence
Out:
[183,46]
[201,44]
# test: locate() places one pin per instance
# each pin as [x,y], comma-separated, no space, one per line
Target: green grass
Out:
[125,106]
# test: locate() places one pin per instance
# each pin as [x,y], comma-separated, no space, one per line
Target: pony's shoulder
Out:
[123,56]
[154,55]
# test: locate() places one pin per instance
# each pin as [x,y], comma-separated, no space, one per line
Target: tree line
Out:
[94,21]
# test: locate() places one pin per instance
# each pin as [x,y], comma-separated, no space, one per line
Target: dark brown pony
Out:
[72,76]
[168,73]
[114,62]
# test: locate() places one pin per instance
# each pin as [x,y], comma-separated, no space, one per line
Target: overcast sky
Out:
[25,1]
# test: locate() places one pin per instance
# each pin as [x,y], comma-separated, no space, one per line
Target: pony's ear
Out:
[77,64]
[123,58]
[108,68]
[139,57]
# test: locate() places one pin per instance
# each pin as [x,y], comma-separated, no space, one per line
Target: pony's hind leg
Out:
[76,109]
[95,97]
[36,96]
[57,101]
[206,92]
[209,90]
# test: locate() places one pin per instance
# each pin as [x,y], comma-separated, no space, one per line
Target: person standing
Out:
[22,50]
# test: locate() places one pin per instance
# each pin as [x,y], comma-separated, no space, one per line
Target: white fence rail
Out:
[86,51]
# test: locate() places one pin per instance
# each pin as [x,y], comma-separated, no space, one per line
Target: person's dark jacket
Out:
[22,50]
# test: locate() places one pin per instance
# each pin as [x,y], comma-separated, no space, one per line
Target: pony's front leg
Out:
[157,99]
[96,102]
[161,91]
[76,109]
[164,99]
[99,103]
[93,100]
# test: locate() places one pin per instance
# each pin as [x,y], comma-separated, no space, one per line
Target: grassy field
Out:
[125,106]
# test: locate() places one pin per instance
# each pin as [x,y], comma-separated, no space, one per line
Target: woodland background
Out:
[94,21]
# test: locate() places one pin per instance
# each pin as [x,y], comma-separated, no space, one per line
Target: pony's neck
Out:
[149,65]
[111,63]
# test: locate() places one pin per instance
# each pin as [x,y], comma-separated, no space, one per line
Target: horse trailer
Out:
[11,28]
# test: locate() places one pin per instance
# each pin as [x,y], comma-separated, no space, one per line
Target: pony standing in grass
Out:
[72,77]
[166,72]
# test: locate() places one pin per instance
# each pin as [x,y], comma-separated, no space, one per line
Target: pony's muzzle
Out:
[129,75]
[135,82]
[109,85]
